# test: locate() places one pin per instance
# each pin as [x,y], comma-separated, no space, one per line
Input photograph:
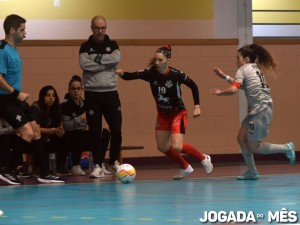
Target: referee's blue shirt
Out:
[10,66]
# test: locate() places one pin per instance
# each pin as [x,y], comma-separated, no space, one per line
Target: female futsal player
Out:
[251,60]
[171,120]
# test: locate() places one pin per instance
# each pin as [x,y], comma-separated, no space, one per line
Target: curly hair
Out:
[259,55]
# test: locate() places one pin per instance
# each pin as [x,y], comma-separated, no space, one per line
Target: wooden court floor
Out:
[155,199]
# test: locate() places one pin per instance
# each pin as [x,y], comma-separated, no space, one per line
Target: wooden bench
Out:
[125,148]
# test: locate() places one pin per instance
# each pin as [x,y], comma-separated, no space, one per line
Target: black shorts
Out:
[15,112]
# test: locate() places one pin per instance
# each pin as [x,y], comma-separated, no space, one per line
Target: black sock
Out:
[20,146]
[39,155]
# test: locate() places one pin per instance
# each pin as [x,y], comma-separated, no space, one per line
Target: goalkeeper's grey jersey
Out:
[256,89]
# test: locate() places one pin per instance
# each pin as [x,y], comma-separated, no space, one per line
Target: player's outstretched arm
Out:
[219,72]
[222,75]
[229,91]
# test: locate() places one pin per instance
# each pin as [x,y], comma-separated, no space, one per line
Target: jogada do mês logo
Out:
[281,216]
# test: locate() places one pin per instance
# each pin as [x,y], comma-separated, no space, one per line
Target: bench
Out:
[129,147]
[27,158]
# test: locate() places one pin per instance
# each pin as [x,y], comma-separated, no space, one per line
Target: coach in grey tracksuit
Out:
[99,57]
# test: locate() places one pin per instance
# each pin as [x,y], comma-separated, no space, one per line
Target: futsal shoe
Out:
[9,177]
[113,168]
[207,165]
[97,172]
[249,175]
[50,178]
[184,172]
[105,171]
[290,154]
[63,171]
[77,171]
[22,172]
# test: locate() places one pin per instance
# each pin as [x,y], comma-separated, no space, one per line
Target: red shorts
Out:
[176,124]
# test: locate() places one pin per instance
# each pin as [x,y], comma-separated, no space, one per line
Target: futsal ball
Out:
[126,173]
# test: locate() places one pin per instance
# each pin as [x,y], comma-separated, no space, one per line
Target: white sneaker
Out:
[105,171]
[116,165]
[77,171]
[97,172]
[184,172]
[207,165]
[113,168]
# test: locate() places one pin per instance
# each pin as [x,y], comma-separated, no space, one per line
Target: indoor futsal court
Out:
[154,198]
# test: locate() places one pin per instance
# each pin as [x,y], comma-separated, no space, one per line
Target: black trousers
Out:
[78,141]
[107,105]
[55,144]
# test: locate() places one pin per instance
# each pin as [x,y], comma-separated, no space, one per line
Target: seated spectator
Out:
[49,118]
[75,126]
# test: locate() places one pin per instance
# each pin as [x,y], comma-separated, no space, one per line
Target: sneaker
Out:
[248,175]
[113,168]
[97,172]
[21,172]
[290,154]
[105,171]
[9,177]
[184,172]
[50,178]
[63,171]
[77,171]
[207,165]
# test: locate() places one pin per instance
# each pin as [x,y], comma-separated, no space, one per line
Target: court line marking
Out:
[118,218]
[58,217]
[145,219]
[87,218]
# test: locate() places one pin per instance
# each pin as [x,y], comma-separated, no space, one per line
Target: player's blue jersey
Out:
[10,66]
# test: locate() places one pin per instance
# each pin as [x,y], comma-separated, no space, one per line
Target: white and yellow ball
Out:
[126,173]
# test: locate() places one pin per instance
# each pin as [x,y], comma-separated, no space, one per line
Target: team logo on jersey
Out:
[92,50]
[91,112]
[163,99]
[108,49]
[169,83]
[19,118]
[155,82]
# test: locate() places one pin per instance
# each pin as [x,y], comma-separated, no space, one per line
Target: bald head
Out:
[98,26]
[97,18]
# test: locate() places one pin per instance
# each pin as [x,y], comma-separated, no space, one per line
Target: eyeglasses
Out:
[99,28]
[75,88]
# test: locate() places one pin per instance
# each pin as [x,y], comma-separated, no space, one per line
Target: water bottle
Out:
[52,162]
[91,160]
